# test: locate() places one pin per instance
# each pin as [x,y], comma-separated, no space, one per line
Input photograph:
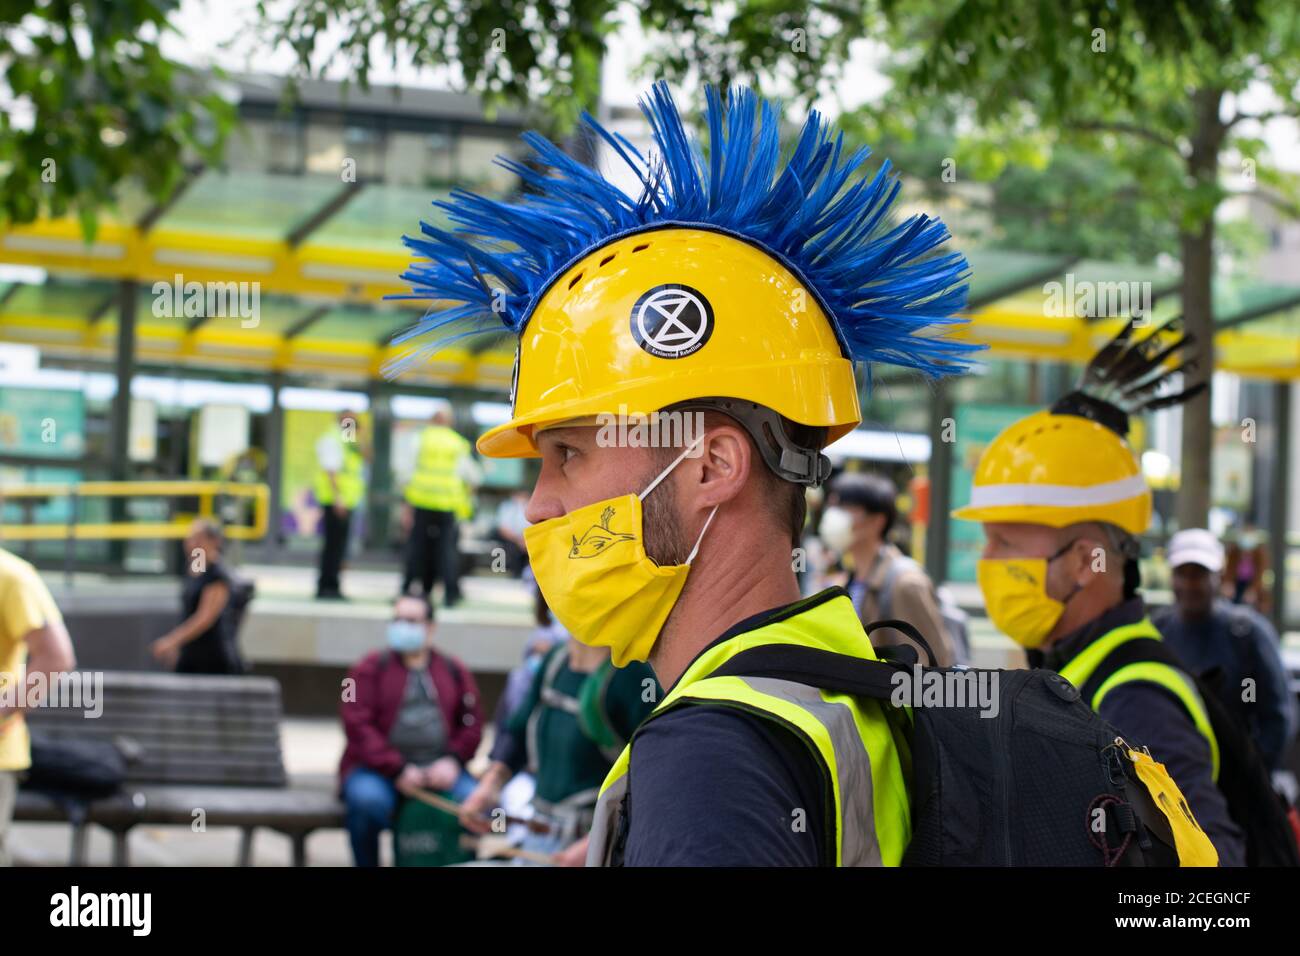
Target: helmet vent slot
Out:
[606,260]
[575,280]
[644,245]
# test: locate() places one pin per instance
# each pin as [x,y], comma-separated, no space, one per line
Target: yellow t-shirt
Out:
[25,606]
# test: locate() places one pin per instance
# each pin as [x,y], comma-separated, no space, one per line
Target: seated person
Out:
[568,731]
[413,720]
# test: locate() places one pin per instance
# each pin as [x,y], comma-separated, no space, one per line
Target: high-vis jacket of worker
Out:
[1086,662]
[437,484]
[1117,663]
[351,478]
[857,751]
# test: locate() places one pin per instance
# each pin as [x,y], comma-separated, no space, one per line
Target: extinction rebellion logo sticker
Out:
[672,321]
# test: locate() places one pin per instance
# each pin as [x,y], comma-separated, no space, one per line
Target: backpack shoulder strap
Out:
[459,679]
[593,713]
[815,667]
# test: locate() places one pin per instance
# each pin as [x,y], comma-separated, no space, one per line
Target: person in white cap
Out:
[1209,632]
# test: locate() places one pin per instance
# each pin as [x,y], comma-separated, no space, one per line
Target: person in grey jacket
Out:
[884,583]
[1209,632]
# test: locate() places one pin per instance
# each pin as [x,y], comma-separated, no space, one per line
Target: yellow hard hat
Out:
[733,278]
[1072,463]
[612,337]
[1058,470]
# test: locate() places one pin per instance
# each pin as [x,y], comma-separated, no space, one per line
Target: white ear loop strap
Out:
[700,540]
[664,474]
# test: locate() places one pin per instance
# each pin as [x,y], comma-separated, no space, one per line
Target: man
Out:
[1062,501]
[340,486]
[31,634]
[576,718]
[1210,632]
[884,582]
[413,720]
[436,497]
[735,296]
[205,641]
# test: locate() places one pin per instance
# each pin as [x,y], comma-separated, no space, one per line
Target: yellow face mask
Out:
[1015,595]
[593,571]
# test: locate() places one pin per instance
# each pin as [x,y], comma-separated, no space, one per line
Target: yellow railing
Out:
[206,491]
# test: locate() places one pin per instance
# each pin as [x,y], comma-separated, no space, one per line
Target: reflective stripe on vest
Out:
[851,736]
[351,480]
[1171,679]
[436,484]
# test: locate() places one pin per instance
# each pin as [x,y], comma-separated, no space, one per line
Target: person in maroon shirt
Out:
[413,720]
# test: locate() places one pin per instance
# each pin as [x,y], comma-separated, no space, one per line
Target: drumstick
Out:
[452,807]
[532,855]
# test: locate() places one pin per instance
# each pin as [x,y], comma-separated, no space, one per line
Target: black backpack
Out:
[242,592]
[77,769]
[1244,779]
[1026,787]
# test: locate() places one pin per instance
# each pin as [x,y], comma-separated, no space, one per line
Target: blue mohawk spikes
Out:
[888,299]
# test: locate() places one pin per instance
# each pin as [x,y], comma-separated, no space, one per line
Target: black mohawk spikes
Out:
[1128,376]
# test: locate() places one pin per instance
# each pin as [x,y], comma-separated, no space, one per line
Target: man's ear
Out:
[724,465]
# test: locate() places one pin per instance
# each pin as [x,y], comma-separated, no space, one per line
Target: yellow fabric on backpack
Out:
[1194,847]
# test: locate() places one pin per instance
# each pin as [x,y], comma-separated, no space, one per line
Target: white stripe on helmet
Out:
[1066,496]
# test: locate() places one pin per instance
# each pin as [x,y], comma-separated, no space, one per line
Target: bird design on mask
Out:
[597,539]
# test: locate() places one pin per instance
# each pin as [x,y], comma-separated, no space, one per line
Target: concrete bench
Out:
[208,749]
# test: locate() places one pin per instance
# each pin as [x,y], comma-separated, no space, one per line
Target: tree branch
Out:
[1262,117]
[1099,126]
[1269,197]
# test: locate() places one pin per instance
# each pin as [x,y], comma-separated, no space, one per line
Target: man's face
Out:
[578,471]
[868,528]
[1194,588]
[1004,540]
[413,610]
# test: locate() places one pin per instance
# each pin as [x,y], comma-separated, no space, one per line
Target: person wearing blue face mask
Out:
[413,719]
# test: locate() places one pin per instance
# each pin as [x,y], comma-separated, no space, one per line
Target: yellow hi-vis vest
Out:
[1086,662]
[436,484]
[858,751]
[351,480]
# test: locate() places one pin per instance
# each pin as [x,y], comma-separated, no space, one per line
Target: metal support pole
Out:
[119,454]
[70,544]
[1280,518]
[275,468]
[941,458]
[379,497]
